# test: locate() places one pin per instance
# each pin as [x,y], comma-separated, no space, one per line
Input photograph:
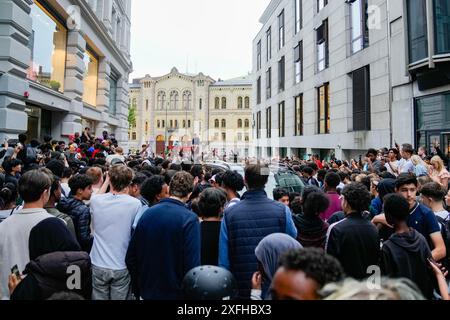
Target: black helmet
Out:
[209,283]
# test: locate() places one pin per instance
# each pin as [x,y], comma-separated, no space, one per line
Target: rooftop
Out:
[239,81]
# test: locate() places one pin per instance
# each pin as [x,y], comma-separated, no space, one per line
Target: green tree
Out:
[132,117]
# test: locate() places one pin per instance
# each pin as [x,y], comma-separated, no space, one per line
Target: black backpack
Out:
[444,224]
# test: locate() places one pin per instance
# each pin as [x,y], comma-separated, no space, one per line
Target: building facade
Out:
[191,112]
[335,78]
[64,66]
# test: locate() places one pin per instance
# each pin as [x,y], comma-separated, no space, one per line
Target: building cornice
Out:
[89,15]
[269,11]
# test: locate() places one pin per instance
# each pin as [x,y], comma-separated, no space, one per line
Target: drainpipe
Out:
[430,33]
[391,95]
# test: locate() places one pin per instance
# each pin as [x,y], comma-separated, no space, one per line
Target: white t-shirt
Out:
[442,214]
[65,187]
[14,235]
[112,218]
[111,157]
[394,165]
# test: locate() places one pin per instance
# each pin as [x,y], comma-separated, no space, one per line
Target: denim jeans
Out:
[110,284]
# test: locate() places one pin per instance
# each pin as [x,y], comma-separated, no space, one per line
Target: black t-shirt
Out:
[210,231]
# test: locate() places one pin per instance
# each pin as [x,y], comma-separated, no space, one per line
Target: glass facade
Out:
[90,81]
[433,120]
[442,26]
[324,109]
[47,44]
[113,94]
[417,30]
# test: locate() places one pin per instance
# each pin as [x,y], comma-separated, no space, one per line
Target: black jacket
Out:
[51,273]
[405,256]
[81,217]
[355,243]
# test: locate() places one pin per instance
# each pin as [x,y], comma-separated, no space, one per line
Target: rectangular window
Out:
[113,79]
[299,115]
[442,26]
[258,125]
[258,55]
[258,91]
[281,30]
[200,104]
[224,136]
[269,122]
[281,119]
[298,15]
[321,4]
[360,29]
[90,82]
[269,44]
[417,30]
[269,83]
[47,44]
[324,109]
[239,136]
[361,99]
[247,137]
[281,74]
[146,104]
[322,46]
[298,63]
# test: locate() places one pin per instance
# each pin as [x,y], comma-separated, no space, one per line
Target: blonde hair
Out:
[439,163]
[416,160]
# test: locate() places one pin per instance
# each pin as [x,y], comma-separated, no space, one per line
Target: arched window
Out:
[216,123]
[161,100]
[240,103]
[247,102]
[158,124]
[163,123]
[217,103]
[146,104]
[224,123]
[224,103]
[247,123]
[189,123]
[184,123]
[174,100]
[176,123]
[187,98]
[239,123]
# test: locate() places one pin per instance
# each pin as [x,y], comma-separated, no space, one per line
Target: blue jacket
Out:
[243,227]
[81,217]
[164,247]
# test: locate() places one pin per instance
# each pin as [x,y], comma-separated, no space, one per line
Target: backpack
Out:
[444,224]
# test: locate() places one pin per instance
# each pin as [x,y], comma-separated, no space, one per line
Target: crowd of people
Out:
[81,220]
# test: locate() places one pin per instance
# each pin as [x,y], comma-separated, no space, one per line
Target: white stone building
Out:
[64,65]
[335,78]
[180,110]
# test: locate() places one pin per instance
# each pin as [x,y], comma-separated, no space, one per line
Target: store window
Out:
[47,44]
[90,81]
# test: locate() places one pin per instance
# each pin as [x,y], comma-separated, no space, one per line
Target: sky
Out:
[210,36]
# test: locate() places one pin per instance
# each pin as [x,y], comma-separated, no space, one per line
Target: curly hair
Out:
[357,196]
[181,185]
[315,263]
